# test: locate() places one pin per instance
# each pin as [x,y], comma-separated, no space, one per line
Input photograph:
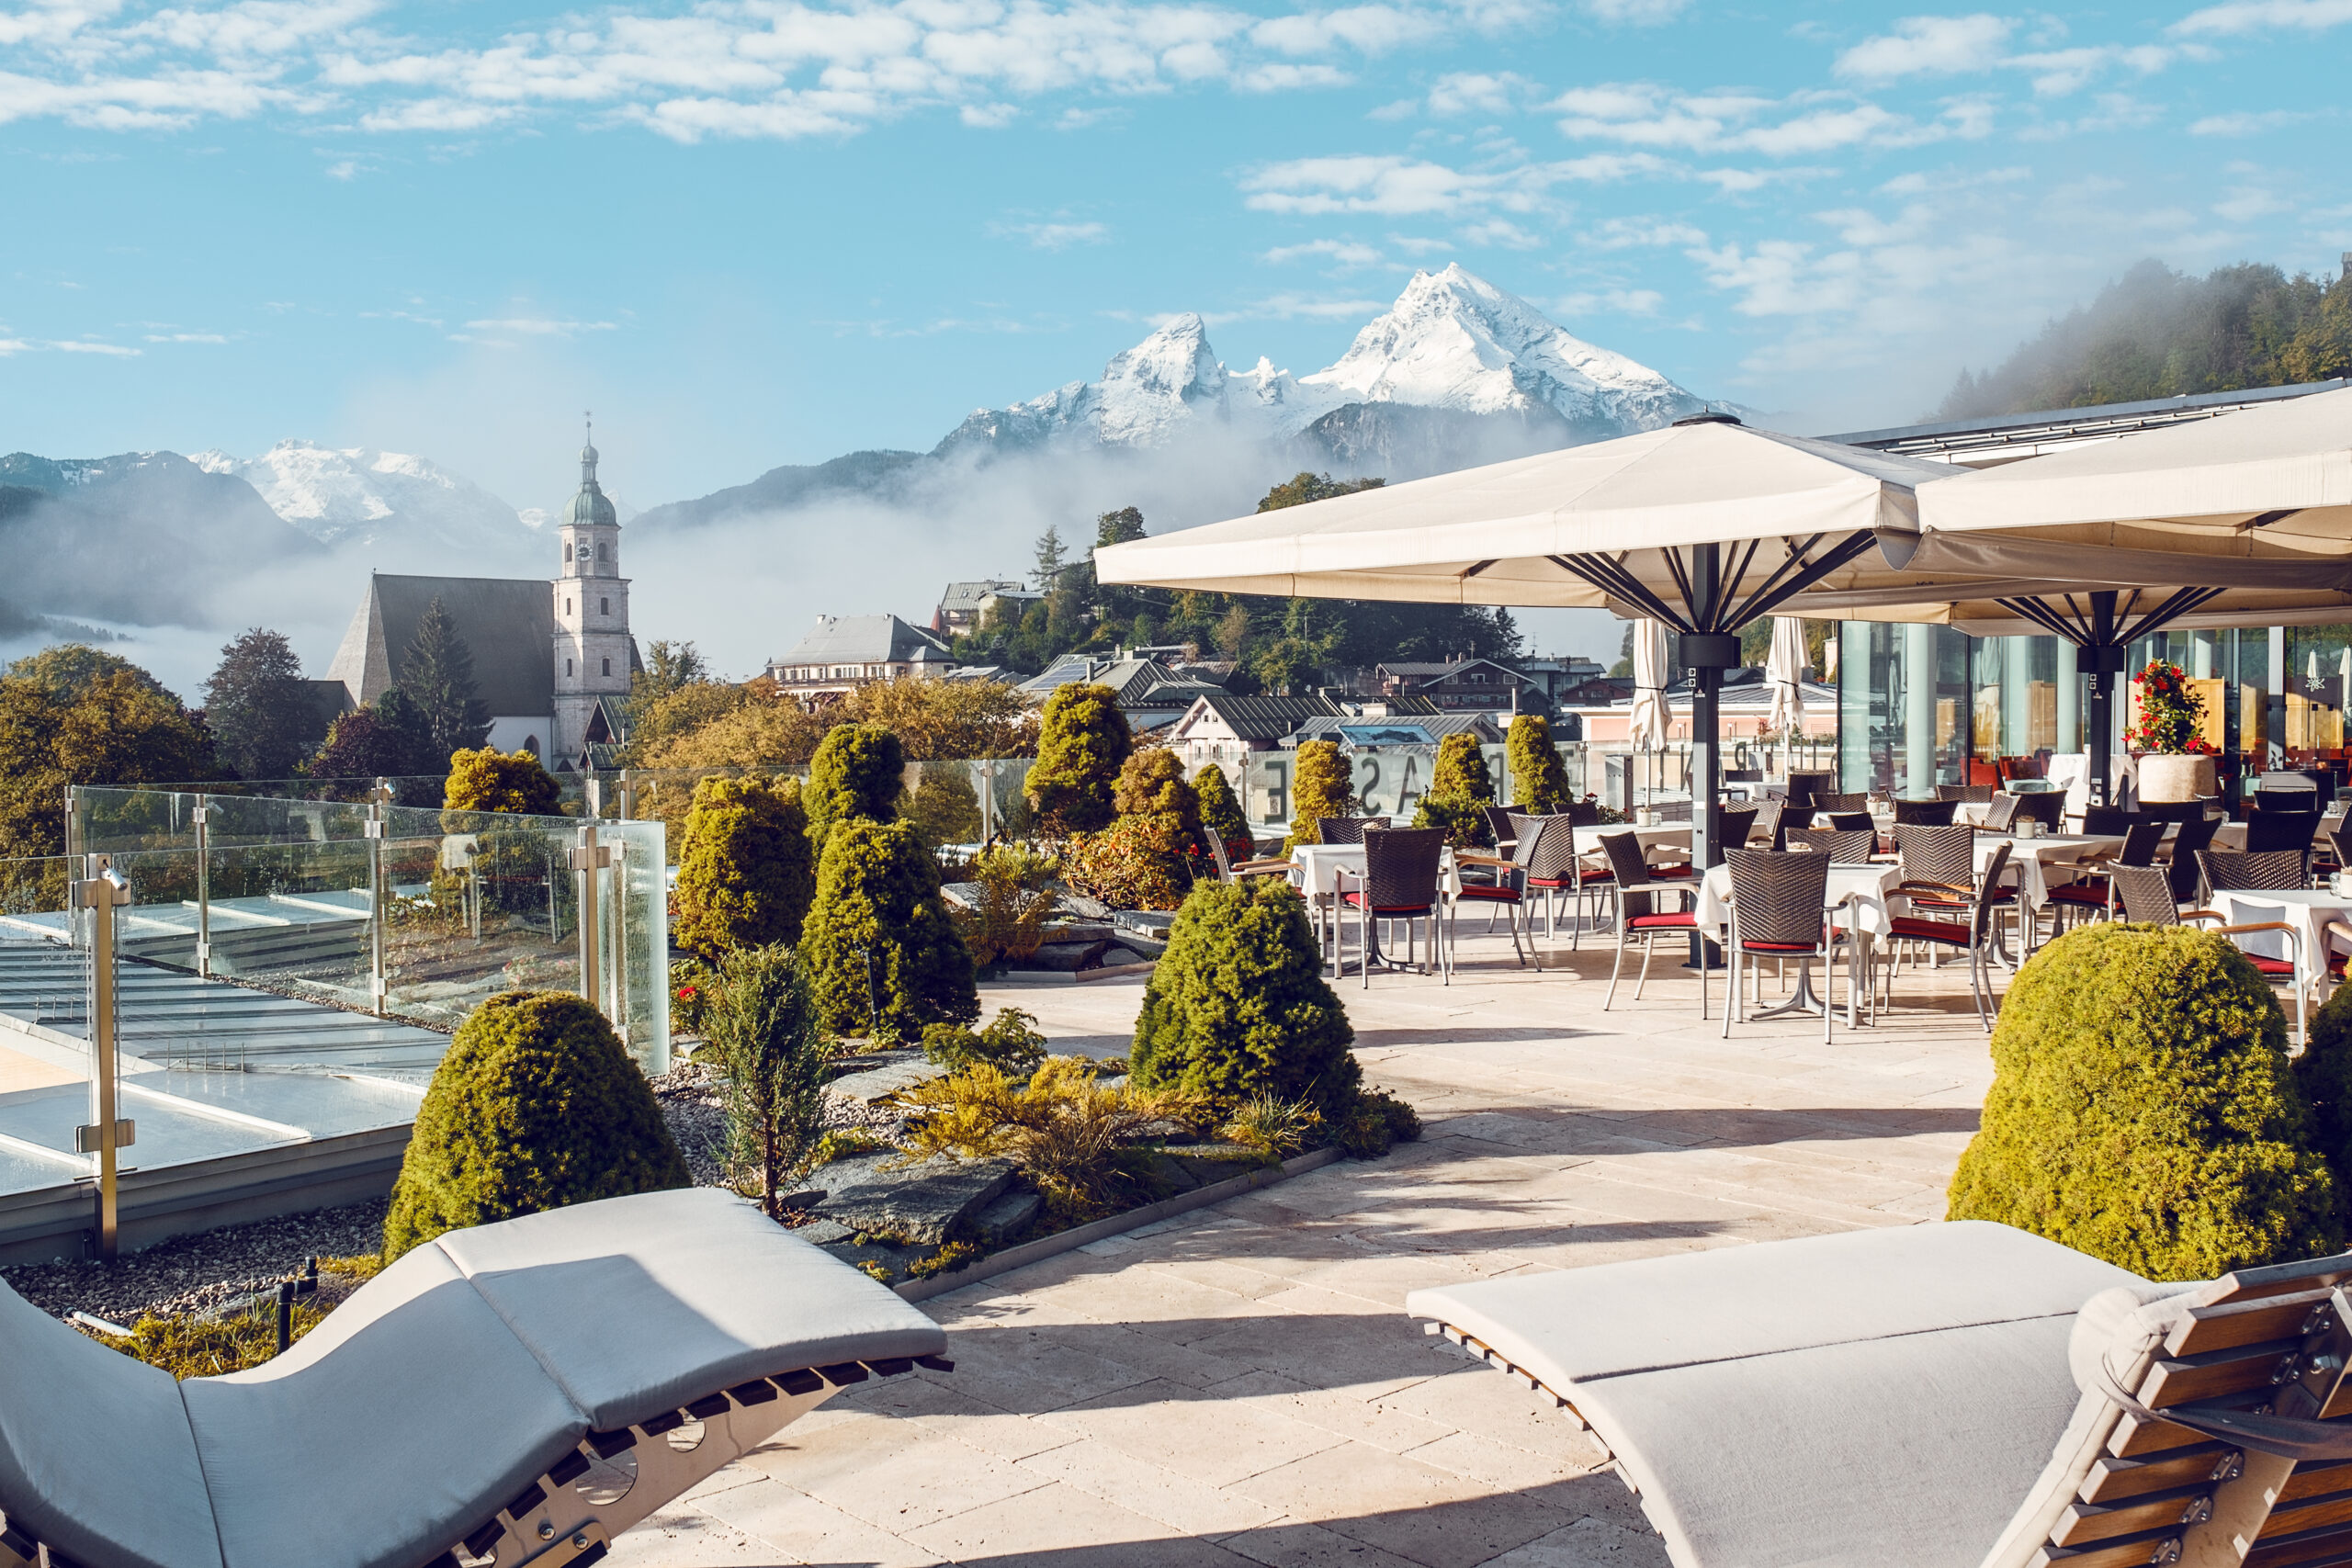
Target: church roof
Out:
[591,504]
[508,624]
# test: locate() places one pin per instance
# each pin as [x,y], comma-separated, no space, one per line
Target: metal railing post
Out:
[628,796]
[588,857]
[203,815]
[102,891]
[379,979]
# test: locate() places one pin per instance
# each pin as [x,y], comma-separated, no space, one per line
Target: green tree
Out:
[1082,742]
[1237,1008]
[361,745]
[2142,1111]
[854,777]
[437,676]
[1461,788]
[1302,488]
[1539,780]
[259,707]
[75,716]
[1320,787]
[771,1046]
[1221,813]
[535,1106]
[509,783]
[1052,559]
[1286,665]
[885,958]
[745,867]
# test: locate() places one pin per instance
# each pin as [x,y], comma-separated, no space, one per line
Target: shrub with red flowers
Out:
[2172,716]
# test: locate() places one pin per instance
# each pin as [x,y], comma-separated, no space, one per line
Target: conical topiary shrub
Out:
[884,957]
[1461,788]
[745,872]
[1082,740]
[1320,787]
[2142,1111]
[1237,1006]
[1221,813]
[536,1106]
[856,775]
[1538,781]
[2323,1072]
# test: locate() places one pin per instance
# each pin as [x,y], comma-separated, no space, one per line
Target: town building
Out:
[964,605]
[552,658]
[845,652]
[1482,685]
[1152,685]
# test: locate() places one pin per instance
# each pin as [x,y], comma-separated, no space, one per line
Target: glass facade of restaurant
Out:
[1920,705]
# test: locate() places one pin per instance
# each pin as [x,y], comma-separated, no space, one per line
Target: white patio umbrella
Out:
[2344,673]
[1645,726]
[1784,668]
[1702,526]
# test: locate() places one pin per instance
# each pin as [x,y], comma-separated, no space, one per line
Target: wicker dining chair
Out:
[2093,892]
[2113,820]
[1923,813]
[1859,800]
[1400,881]
[1779,908]
[1939,865]
[2249,871]
[1806,785]
[1557,870]
[1973,935]
[2187,842]
[2047,806]
[1637,919]
[2145,895]
[1584,813]
[1509,893]
[1499,828]
[1346,829]
[1738,825]
[2000,813]
[1842,846]
[2270,829]
[1964,795]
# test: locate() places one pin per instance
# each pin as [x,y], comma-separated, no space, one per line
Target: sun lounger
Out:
[1945,1396]
[522,1391]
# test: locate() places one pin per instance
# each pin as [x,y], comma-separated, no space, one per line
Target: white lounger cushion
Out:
[1874,1397]
[433,1396]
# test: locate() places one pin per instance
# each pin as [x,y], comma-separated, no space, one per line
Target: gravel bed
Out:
[197,1273]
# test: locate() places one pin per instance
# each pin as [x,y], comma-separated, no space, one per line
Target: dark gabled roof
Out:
[1439,725]
[968,595]
[1440,669]
[864,640]
[1409,706]
[508,624]
[1266,718]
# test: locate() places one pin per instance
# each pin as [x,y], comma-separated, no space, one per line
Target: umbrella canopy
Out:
[1609,525]
[1784,668]
[1645,726]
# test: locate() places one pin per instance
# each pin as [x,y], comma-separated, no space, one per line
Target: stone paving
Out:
[1240,1386]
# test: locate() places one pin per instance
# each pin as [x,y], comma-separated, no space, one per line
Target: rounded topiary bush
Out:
[507,782]
[1151,783]
[1320,786]
[1221,814]
[1082,740]
[2142,1110]
[1539,780]
[2323,1072]
[1461,788]
[855,777]
[745,872]
[536,1106]
[879,929]
[1237,1006]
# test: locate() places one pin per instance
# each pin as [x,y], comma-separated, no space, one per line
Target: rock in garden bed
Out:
[935,1200]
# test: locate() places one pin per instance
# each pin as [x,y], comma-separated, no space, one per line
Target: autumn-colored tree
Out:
[510,783]
[77,716]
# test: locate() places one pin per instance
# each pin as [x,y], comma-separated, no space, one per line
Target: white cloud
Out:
[84,346]
[1287,78]
[1643,115]
[187,337]
[1634,13]
[1290,307]
[2248,122]
[1346,255]
[1052,236]
[2264,15]
[1470,92]
[1614,301]
[1935,46]
[1397,186]
[1619,233]
[540,326]
[1499,231]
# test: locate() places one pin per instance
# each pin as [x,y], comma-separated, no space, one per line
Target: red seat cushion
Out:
[1681,919]
[1355,901]
[2081,892]
[1496,891]
[1913,930]
[1780,946]
[2283,967]
[1661,873]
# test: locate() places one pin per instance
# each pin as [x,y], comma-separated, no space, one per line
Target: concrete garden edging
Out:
[1052,1246]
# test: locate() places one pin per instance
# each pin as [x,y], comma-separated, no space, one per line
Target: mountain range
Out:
[361,496]
[1458,372]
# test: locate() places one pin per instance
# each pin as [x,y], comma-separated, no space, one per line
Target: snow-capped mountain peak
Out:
[1452,343]
[361,495]
[1456,341]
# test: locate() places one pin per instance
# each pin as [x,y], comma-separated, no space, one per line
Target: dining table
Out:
[1316,870]
[1858,899]
[2308,910]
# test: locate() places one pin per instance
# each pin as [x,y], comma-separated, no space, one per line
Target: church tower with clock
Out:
[594,650]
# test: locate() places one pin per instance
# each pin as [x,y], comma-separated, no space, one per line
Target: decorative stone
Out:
[1085,909]
[967,894]
[881,1083]
[931,1201]
[1007,1216]
[1210,1163]
[1069,957]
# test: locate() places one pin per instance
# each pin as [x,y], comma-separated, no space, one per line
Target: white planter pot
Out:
[2173,778]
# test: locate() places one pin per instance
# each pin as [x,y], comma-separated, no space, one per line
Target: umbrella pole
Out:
[2103,658]
[1707,653]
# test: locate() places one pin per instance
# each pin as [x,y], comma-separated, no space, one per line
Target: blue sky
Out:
[756,232]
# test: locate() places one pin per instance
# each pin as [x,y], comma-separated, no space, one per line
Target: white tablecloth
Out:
[1867,887]
[1671,834]
[1318,864]
[2308,910]
[2047,862]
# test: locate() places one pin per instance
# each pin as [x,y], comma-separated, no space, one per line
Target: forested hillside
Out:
[2154,333]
